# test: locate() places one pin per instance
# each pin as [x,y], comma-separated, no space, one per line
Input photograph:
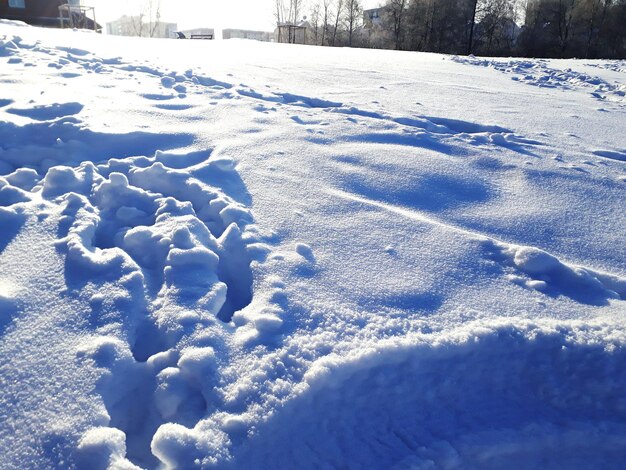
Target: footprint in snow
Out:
[47,112]
[305,251]
[8,303]
[157,96]
[390,250]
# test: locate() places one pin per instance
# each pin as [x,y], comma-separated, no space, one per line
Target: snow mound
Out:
[485,396]
[546,273]
[103,448]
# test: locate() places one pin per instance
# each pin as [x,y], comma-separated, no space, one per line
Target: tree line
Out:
[527,28]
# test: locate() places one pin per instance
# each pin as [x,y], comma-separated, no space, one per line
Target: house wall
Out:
[165,30]
[35,12]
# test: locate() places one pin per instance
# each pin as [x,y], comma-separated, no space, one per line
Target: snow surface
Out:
[248,255]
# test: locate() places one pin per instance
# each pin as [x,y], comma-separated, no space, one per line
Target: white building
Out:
[373,17]
[165,30]
[247,34]
[138,26]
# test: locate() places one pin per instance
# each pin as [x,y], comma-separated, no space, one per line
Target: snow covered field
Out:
[246,255]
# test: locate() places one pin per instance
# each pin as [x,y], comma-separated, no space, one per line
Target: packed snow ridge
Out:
[245,255]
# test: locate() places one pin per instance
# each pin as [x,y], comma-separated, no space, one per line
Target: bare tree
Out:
[594,14]
[564,14]
[395,16]
[154,16]
[287,11]
[353,14]
[137,24]
[534,28]
[338,14]
[429,16]
[495,19]
[474,6]
[326,6]
[294,10]
[146,22]
[279,15]
[315,22]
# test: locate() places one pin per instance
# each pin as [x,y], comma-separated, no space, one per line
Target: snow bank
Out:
[548,274]
[483,396]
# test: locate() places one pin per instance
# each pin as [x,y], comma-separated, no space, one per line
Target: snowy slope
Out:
[247,255]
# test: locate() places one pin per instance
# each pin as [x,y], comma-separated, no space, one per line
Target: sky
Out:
[244,14]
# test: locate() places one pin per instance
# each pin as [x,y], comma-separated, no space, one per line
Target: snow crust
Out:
[246,255]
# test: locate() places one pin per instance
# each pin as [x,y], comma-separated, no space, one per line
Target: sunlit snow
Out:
[252,255]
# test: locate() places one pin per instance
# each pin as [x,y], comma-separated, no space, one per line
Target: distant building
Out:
[138,26]
[125,26]
[199,33]
[293,33]
[373,17]
[50,13]
[165,30]
[247,34]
